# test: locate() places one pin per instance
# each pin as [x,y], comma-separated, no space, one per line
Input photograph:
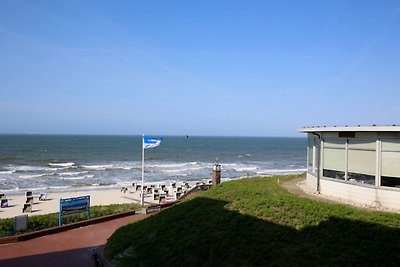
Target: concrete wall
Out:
[387,197]
[311,182]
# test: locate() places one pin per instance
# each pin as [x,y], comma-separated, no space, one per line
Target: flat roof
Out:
[359,128]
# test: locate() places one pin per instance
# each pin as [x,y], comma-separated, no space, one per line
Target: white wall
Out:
[388,198]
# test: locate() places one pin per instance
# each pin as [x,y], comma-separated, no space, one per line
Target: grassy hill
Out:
[256,222]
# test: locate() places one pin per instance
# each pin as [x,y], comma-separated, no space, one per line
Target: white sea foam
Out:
[171,165]
[72,173]
[173,171]
[7,172]
[78,177]
[245,169]
[35,175]
[66,164]
[27,168]
[282,171]
[97,167]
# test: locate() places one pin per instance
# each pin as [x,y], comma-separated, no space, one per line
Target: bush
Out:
[41,222]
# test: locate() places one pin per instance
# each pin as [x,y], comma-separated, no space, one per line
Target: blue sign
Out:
[74,205]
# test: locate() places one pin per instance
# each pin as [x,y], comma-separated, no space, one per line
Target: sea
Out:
[68,162]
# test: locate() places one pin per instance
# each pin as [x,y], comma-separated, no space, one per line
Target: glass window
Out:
[391,145]
[334,158]
[310,154]
[361,161]
[390,173]
[334,143]
[313,148]
[363,144]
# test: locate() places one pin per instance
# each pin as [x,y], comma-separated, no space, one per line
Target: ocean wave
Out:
[27,168]
[72,173]
[173,171]
[98,167]
[35,175]
[168,165]
[78,177]
[281,171]
[66,164]
[245,169]
[7,172]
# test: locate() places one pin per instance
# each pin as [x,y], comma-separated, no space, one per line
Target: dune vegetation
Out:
[256,222]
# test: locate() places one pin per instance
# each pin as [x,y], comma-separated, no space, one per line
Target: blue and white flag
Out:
[149,142]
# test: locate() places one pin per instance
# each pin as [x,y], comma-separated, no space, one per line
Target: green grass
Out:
[255,222]
[41,222]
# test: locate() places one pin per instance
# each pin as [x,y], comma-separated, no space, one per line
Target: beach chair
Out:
[156,195]
[42,196]
[29,200]
[4,202]
[137,187]
[27,207]
[170,198]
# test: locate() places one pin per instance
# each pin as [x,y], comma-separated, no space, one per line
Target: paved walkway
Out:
[293,188]
[69,248]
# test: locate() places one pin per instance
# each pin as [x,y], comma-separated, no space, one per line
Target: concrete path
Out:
[69,248]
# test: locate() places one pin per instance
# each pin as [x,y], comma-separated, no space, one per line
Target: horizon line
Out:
[170,135]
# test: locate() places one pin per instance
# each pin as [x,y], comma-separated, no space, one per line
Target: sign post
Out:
[20,223]
[74,205]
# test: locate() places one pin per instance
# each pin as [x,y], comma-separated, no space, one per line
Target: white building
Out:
[357,163]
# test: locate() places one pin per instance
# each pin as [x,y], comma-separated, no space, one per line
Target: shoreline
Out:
[98,196]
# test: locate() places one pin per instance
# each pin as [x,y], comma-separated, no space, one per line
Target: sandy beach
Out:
[51,205]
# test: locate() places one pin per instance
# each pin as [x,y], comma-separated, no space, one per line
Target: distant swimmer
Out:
[187,136]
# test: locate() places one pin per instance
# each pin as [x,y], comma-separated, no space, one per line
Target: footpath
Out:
[70,248]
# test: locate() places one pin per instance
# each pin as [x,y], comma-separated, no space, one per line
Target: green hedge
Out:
[41,222]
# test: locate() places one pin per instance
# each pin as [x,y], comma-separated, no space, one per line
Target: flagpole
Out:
[142,195]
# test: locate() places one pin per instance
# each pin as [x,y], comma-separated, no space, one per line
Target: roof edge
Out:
[359,128]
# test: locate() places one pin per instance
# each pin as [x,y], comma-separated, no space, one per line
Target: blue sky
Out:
[246,68]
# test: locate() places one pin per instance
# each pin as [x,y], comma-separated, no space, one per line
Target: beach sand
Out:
[51,205]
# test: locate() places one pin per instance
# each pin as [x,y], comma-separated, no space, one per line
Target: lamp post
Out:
[216,174]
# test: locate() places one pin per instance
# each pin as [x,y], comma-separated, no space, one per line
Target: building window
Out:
[390,170]
[313,155]
[334,158]
[361,161]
